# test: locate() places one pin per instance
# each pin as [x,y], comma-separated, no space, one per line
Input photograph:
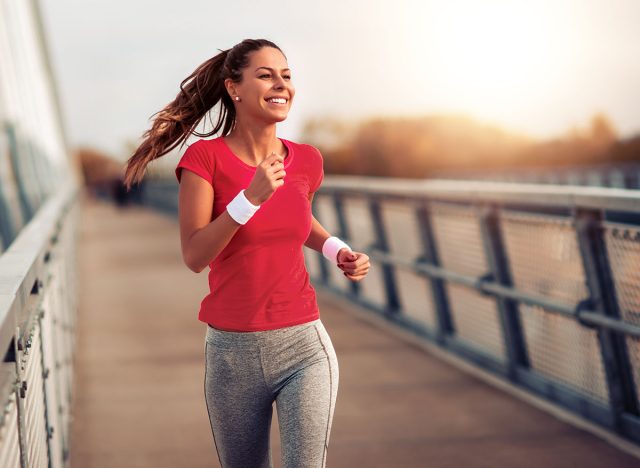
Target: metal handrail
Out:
[23,263]
[587,211]
[492,288]
[506,193]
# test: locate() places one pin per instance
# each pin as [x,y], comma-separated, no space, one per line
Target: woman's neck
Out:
[254,143]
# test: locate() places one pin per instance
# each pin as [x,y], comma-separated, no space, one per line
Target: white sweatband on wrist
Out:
[241,209]
[331,247]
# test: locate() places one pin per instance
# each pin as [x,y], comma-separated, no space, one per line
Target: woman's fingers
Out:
[360,264]
[268,178]
[352,268]
[277,171]
[280,174]
[275,168]
[346,255]
[363,260]
[355,265]
[354,277]
[272,159]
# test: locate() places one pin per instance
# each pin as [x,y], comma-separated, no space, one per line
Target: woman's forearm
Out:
[205,244]
[317,236]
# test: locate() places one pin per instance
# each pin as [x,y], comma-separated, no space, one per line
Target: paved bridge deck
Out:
[139,398]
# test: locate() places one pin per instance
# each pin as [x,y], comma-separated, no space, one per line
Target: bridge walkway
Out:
[139,398]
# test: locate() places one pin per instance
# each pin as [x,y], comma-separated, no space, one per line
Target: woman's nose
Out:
[279,84]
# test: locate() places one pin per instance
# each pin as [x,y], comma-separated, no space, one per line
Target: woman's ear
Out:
[230,87]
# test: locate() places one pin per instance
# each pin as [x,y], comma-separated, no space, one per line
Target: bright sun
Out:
[492,58]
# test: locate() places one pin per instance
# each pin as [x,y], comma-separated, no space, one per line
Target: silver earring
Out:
[237,98]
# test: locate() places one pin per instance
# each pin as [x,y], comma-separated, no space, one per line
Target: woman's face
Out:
[266,90]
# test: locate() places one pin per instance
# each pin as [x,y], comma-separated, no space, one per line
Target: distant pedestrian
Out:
[119,192]
[245,211]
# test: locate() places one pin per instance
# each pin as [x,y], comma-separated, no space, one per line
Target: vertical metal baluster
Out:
[7,228]
[324,270]
[48,403]
[507,308]
[622,395]
[23,191]
[388,271]
[441,303]
[20,398]
[343,232]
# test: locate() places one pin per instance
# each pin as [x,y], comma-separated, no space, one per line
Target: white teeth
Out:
[278,100]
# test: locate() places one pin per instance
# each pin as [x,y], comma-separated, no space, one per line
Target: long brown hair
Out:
[199,93]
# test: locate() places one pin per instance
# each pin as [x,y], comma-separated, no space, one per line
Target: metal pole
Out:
[507,308]
[440,301]
[622,395]
[388,270]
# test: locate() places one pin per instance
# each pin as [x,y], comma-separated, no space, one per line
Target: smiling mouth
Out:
[280,101]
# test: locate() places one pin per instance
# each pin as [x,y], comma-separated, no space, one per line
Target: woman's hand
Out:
[355,265]
[268,177]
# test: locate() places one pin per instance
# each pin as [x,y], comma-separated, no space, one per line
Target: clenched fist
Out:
[355,265]
[268,177]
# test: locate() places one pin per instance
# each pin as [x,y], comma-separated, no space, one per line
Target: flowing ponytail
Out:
[199,93]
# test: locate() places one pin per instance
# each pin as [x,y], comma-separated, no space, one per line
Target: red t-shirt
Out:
[259,281]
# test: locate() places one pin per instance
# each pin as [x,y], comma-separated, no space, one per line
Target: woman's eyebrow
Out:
[271,69]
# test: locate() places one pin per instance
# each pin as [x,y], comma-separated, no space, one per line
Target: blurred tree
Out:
[103,175]
[602,130]
[97,167]
[417,147]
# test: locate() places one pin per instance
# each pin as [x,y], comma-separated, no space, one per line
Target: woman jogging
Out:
[245,211]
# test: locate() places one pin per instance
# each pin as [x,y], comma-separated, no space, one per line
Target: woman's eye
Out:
[287,77]
[266,75]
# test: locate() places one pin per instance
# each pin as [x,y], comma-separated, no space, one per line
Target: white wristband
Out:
[331,247]
[241,209]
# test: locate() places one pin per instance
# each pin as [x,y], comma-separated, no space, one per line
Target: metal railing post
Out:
[391,289]
[622,395]
[343,228]
[23,191]
[324,271]
[430,255]
[507,308]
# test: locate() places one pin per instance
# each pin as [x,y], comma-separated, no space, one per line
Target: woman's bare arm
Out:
[201,239]
[318,234]
[355,265]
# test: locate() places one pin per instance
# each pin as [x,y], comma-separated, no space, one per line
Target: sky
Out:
[533,67]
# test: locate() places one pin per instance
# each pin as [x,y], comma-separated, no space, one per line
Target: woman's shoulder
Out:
[304,148]
[198,158]
[204,149]
[203,144]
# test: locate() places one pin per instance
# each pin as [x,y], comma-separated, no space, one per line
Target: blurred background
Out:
[439,123]
[387,88]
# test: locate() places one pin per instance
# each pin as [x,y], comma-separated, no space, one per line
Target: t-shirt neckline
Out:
[287,160]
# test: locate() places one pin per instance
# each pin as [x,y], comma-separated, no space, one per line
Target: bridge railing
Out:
[38,218]
[38,304]
[538,284]
[614,175]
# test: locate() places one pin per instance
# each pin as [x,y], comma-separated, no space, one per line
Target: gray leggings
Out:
[247,371]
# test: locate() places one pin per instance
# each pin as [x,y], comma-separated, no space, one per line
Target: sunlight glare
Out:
[494,59]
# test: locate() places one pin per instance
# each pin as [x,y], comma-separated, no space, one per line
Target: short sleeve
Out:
[198,159]
[318,171]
